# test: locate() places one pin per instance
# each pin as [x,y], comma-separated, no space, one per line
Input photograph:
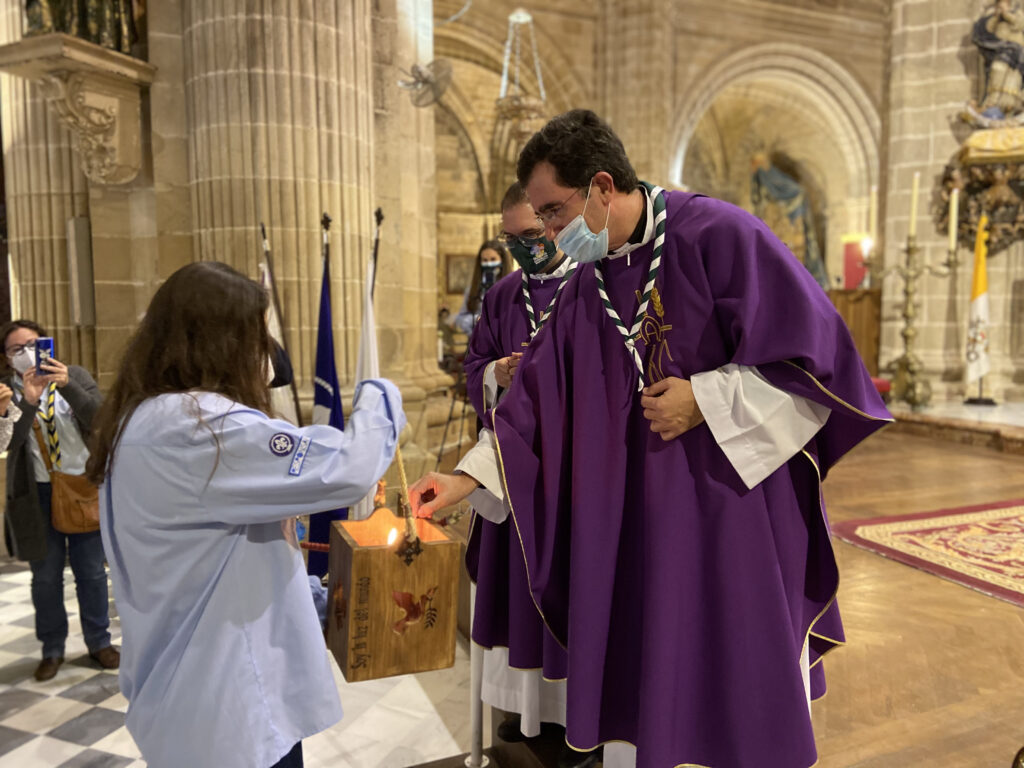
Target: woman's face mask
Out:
[24,360]
[578,242]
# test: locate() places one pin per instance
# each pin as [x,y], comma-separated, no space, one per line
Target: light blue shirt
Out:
[223,661]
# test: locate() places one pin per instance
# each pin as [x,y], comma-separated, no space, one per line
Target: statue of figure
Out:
[780,202]
[110,23]
[999,36]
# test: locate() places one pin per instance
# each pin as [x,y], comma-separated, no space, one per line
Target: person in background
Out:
[224,659]
[493,262]
[63,401]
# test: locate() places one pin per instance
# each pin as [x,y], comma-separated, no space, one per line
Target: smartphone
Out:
[44,352]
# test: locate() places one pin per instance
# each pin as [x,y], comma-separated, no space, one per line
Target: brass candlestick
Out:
[909,384]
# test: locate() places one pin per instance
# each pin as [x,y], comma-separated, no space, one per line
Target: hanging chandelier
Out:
[522,110]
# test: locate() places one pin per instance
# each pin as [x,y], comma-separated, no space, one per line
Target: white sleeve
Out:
[758,426]
[464,319]
[481,463]
[7,426]
[268,469]
[490,386]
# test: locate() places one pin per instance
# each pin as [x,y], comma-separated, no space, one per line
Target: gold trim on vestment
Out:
[835,592]
[838,399]
[522,548]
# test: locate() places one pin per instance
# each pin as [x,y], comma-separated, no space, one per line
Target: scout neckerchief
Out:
[535,324]
[46,413]
[629,336]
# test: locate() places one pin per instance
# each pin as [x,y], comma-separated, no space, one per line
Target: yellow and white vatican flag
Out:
[367,367]
[977,330]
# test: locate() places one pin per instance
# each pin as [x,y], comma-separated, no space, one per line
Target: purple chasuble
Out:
[505,614]
[684,600]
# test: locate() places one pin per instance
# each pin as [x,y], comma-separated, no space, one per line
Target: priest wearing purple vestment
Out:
[660,453]
[506,622]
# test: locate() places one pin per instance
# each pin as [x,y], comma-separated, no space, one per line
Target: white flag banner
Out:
[281,399]
[367,367]
[15,288]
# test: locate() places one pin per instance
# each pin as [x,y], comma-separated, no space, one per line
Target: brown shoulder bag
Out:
[75,502]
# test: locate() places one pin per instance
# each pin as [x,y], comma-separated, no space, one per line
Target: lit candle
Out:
[954,217]
[873,214]
[913,204]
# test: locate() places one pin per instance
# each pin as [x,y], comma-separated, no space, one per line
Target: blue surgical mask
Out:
[580,244]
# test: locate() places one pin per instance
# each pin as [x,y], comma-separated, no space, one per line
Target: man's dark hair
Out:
[514,195]
[579,144]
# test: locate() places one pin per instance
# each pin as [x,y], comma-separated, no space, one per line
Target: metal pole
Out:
[477,758]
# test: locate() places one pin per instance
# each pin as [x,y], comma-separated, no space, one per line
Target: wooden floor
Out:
[933,672]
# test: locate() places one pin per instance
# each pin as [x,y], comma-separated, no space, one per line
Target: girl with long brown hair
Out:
[493,262]
[223,660]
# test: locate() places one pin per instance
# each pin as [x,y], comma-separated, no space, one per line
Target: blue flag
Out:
[326,410]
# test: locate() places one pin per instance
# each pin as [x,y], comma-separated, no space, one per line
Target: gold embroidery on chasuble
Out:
[654,332]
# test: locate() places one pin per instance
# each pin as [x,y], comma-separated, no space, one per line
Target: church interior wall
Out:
[252,118]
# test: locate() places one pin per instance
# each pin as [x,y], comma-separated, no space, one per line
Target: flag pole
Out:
[276,298]
[410,524]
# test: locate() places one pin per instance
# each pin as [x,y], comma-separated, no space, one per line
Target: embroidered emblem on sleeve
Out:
[299,458]
[282,444]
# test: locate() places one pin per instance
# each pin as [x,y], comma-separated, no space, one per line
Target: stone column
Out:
[636,59]
[406,191]
[45,187]
[280,112]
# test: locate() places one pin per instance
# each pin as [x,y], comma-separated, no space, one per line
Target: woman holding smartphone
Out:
[62,399]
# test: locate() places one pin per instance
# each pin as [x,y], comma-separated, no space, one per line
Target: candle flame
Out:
[392,536]
[865,247]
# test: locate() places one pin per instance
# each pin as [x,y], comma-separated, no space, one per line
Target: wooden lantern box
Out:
[386,617]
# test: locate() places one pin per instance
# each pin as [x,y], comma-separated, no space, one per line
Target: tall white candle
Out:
[954,217]
[913,204]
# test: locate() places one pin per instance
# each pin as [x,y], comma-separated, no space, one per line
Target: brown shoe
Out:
[48,668]
[108,658]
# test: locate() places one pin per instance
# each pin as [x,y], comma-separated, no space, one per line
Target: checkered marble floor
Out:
[76,720]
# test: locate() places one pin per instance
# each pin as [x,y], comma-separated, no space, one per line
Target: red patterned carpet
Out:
[979,547]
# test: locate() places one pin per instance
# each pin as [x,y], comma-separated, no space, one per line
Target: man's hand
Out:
[671,407]
[505,369]
[435,491]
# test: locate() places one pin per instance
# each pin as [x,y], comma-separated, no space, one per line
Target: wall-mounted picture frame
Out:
[458,269]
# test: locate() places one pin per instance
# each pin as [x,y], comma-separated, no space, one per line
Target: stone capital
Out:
[95,92]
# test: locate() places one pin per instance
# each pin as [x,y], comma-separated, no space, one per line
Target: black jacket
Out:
[26,527]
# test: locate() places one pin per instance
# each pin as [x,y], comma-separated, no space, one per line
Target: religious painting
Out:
[458,271]
[779,199]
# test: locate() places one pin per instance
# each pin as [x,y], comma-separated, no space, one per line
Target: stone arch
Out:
[844,104]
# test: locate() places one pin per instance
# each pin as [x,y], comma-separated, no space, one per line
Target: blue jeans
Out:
[86,551]
[292,760]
